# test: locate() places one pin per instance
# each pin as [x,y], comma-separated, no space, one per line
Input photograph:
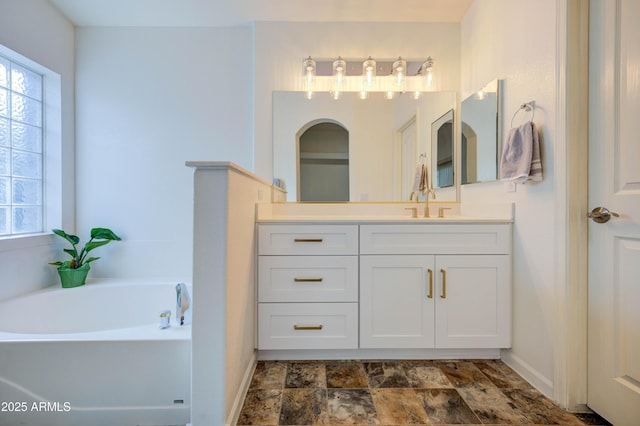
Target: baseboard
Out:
[530,374]
[362,354]
[236,408]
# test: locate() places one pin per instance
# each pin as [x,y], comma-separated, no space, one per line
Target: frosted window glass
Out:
[4,190]
[26,109]
[26,82]
[27,219]
[4,72]
[25,137]
[26,164]
[27,192]
[4,132]
[4,102]
[5,167]
[23,85]
[5,228]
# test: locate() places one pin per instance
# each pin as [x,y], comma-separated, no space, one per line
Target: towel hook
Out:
[528,107]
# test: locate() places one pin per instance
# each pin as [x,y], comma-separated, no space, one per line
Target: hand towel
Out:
[520,160]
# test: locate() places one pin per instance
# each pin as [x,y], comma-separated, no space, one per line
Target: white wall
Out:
[515,40]
[280,48]
[36,30]
[150,99]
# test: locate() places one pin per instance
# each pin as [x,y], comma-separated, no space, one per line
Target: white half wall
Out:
[36,30]
[515,40]
[224,290]
[150,99]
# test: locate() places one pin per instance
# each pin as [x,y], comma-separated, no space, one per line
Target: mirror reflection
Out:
[443,135]
[480,142]
[384,142]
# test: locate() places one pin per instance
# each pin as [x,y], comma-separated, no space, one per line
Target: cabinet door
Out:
[473,308]
[397,301]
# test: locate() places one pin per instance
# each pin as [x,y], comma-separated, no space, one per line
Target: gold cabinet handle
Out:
[444,283]
[430,295]
[307,240]
[307,327]
[307,280]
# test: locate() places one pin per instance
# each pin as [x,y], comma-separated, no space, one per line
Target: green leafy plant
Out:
[99,237]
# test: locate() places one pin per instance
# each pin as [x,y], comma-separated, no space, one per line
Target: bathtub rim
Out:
[146,332]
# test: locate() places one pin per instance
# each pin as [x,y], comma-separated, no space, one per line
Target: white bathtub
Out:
[94,355]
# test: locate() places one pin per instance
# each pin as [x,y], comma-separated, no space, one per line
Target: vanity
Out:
[369,278]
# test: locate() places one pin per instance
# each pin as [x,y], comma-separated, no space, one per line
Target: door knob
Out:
[601,214]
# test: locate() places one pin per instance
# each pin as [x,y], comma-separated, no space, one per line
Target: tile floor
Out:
[397,393]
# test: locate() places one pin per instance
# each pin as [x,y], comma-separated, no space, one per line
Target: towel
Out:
[421,179]
[521,155]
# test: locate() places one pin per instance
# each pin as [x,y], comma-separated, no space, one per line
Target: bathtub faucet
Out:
[182,302]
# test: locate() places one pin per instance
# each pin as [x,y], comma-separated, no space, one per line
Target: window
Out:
[29,149]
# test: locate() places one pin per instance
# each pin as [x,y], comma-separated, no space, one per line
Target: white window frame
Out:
[51,153]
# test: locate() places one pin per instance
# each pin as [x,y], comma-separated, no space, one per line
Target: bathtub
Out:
[94,355]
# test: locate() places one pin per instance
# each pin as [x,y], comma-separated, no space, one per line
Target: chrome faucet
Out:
[183,301]
[426,200]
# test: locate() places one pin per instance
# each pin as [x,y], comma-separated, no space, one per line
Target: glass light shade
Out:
[339,70]
[427,71]
[368,72]
[399,71]
[309,70]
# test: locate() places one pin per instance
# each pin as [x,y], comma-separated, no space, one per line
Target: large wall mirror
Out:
[387,139]
[480,143]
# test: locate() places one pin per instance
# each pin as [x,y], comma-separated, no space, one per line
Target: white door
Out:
[614,183]
[396,301]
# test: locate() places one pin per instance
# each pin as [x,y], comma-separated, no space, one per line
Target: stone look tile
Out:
[386,375]
[501,375]
[445,406]
[539,409]
[350,407]
[463,374]
[303,407]
[425,375]
[398,407]
[346,374]
[306,375]
[492,406]
[261,407]
[269,375]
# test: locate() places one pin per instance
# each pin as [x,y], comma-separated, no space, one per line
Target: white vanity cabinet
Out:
[444,286]
[307,286]
[370,285]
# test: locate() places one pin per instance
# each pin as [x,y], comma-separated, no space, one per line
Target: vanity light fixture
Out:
[388,77]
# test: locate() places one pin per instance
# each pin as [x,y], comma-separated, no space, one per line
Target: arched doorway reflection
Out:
[323,163]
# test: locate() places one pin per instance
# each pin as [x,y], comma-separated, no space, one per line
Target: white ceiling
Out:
[238,12]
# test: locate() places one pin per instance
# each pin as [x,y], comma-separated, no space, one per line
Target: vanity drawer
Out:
[308,239]
[308,278]
[307,325]
[436,239]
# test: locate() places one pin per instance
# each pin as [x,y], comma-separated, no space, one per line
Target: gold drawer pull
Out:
[307,280]
[444,284]
[430,295]
[307,240]
[307,327]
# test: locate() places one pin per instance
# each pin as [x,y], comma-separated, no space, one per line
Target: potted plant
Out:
[73,273]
